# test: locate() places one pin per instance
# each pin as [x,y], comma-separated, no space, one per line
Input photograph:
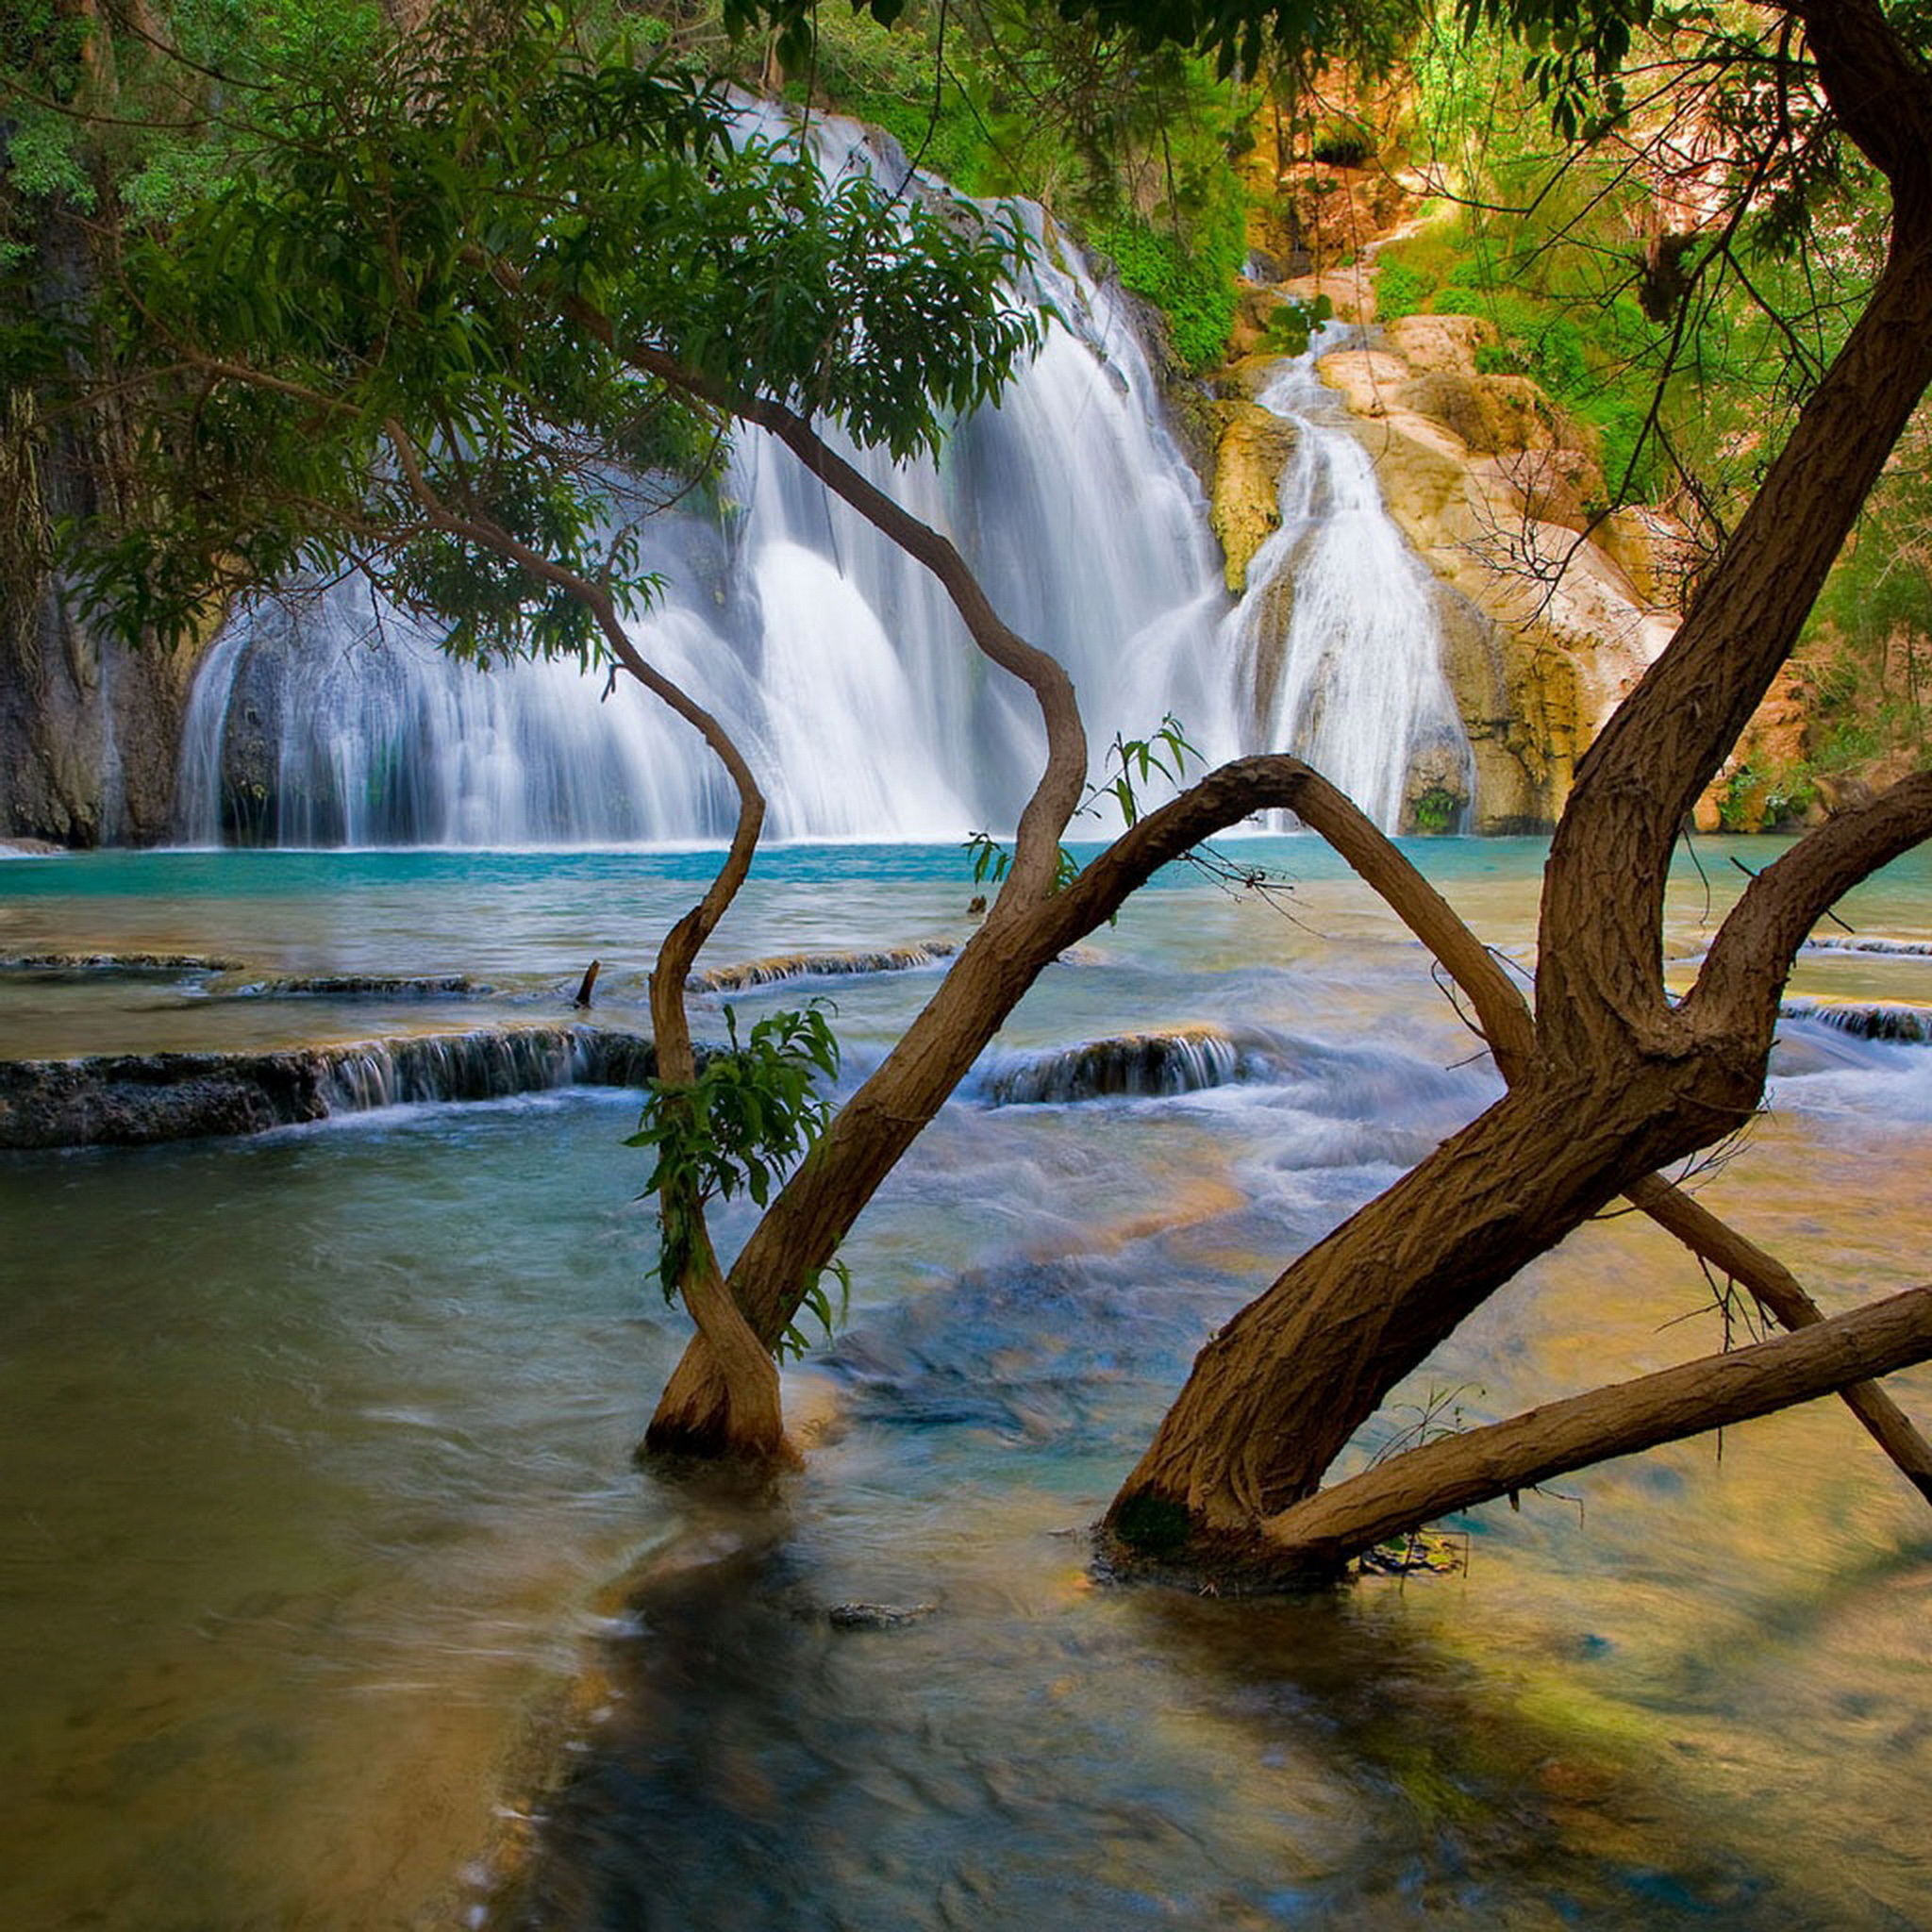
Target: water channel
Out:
[324,1550]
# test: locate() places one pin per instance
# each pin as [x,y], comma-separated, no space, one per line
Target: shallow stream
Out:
[323,1543]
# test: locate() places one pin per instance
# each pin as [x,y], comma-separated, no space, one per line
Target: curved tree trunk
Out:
[1615,1080]
[1610,1082]
[1275,1397]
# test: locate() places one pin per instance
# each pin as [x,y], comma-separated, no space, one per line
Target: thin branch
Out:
[1454,1473]
[1744,972]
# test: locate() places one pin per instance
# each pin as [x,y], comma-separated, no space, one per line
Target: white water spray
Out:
[1337,639]
[836,661]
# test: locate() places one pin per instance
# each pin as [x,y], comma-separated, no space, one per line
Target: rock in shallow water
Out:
[134,1099]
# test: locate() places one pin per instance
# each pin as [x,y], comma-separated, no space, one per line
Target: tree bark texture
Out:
[1615,1080]
[1609,1080]
[1455,1472]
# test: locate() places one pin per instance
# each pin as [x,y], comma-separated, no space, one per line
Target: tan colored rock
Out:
[1550,486]
[1351,290]
[1546,633]
[1439,345]
[1656,552]
[1253,451]
[1368,379]
[1490,413]
[1244,378]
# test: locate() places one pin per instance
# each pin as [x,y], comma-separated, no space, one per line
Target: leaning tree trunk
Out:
[1616,1080]
[1275,1397]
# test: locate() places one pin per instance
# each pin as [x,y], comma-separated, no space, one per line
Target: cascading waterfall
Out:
[833,659]
[1336,637]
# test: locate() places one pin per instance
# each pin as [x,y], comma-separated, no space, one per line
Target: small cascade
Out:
[136,1099]
[1895,1021]
[787,966]
[1131,1065]
[90,966]
[363,986]
[1860,942]
[1336,637]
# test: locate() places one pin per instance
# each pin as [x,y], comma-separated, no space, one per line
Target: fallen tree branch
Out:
[1778,1291]
[1318,1535]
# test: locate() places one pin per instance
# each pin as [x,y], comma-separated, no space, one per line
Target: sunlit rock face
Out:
[1338,639]
[1548,619]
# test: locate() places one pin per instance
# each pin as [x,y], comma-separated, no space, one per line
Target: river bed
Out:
[317,1457]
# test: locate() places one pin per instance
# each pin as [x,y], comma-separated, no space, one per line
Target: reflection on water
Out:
[315,1467]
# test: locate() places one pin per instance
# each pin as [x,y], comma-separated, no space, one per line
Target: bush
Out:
[1194,291]
[1400,290]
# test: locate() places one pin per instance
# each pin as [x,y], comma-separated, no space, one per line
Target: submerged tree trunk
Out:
[1609,1082]
[1689,1400]
[1615,1080]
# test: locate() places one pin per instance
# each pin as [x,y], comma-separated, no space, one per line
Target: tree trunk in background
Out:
[89,731]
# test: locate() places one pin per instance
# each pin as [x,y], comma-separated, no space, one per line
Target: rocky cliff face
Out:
[1548,629]
[88,730]
[1547,621]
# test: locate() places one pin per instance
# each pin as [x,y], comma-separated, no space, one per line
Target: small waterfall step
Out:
[1187,1059]
[1890,1020]
[782,967]
[136,1099]
[1860,942]
[365,985]
[62,966]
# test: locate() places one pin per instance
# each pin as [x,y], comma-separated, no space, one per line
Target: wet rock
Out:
[364,986]
[1439,345]
[115,965]
[1188,1060]
[863,1616]
[1896,1021]
[783,966]
[136,1099]
[133,1099]
[1862,942]
[1253,451]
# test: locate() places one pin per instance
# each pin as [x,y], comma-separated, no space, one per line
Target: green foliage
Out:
[992,860]
[1435,811]
[416,333]
[1344,144]
[1761,798]
[1400,290]
[1119,143]
[1194,291]
[1131,762]
[750,1116]
[1866,659]
[1292,326]
[1238,33]
[1134,760]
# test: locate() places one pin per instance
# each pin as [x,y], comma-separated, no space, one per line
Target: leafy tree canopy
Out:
[474,302]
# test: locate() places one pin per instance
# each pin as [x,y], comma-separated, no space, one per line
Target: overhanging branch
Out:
[1748,962]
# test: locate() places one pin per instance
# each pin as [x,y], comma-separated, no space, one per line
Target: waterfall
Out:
[130,1100]
[835,660]
[1336,637]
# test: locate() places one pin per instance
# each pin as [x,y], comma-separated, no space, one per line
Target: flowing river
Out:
[324,1551]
